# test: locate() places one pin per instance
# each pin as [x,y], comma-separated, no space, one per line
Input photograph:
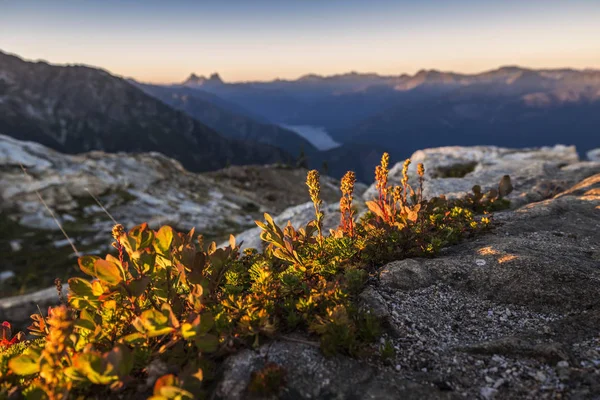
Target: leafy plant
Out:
[346,211]
[6,337]
[167,298]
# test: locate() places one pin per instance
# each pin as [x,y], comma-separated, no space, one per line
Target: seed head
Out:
[314,187]
[117,231]
[347,183]
[405,172]
[385,161]
[397,194]
[381,174]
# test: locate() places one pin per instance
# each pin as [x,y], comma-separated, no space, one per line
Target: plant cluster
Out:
[167,299]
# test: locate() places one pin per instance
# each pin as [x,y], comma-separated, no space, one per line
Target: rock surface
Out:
[535,173]
[135,187]
[309,375]
[593,155]
[512,314]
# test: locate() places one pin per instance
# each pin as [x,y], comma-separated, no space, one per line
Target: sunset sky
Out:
[164,41]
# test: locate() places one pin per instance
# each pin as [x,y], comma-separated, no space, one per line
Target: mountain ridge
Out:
[79,108]
[215,76]
[226,121]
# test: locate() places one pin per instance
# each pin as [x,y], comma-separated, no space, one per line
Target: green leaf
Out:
[134,338]
[174,393]
[153,323]
[24,364]
[207,343]
[87,315]
[269,219]
[142,236]
[188,331]
[85,324]
[138,286]
[86,264]
[121,360]
[82,288]
[164,381]
[108,272]
[261,225]
[145,261]
[199,325]
[163,240]
[93,367]
[206,322]
[167,388]
[35,393]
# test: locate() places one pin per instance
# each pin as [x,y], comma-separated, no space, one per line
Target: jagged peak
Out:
[194,79]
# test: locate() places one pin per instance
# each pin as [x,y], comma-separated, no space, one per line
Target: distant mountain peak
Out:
[311,77]
[195,80]
[512,68]
[427,72]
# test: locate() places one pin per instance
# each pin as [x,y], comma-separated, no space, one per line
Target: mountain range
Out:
[227,119]
[207,123]
[508,106]
[76,109]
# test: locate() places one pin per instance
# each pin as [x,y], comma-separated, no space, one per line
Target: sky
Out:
[163,41]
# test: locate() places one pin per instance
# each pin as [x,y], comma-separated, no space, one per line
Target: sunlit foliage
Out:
[167,298]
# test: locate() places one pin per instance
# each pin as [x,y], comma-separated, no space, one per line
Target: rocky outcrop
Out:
[593,155]
[513,313]
[310,375]
[536,173]
[132,187]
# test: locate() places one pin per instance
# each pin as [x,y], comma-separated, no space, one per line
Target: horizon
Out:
[341,73]
[162,43]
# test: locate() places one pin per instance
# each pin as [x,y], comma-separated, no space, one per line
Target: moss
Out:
[454,171]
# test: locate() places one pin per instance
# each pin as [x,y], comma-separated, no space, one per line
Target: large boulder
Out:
[536,173]
[134,188]
[310,375]
[514,313]
[593,155]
